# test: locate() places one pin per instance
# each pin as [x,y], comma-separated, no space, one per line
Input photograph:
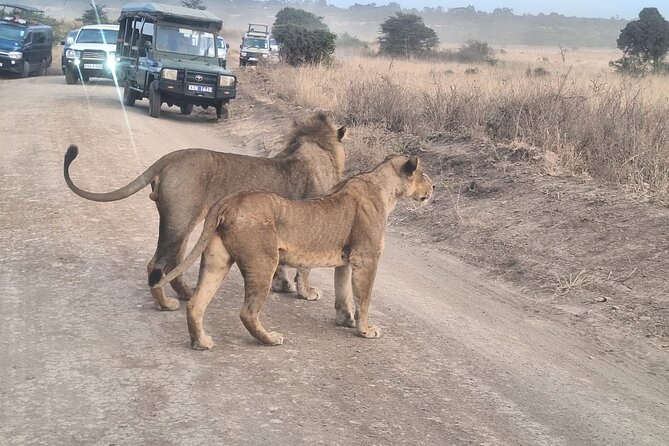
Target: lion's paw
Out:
[171,304]
[282,285]
[372,332]
[274,338]
[311,294]
[203,343]
[344,319]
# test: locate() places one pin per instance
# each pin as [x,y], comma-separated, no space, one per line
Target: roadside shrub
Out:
[303,37]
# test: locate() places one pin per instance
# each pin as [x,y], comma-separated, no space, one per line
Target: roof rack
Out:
[27,14]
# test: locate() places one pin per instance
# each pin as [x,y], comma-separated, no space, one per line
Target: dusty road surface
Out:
[85,358]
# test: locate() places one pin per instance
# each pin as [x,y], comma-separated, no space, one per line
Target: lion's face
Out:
[419,185]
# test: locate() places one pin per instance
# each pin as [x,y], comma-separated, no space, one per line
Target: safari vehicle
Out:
[255,45]
[25,43]
[90,53]
[168,54]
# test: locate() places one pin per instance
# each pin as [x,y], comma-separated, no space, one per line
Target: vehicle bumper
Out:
[11,65]
[90,68]
[194,93]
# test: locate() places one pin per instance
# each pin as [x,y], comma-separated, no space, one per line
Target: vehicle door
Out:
[144,55]
[41,48]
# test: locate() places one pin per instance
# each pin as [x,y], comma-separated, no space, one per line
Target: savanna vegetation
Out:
[572,108]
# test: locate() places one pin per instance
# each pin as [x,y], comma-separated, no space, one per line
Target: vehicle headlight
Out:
[169,74]
[71,54]
[226,81]
[15,55]
[265,55]
[243,53]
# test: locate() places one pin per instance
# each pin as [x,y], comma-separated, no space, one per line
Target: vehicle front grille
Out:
[206,78]
[94,55]
[4,53]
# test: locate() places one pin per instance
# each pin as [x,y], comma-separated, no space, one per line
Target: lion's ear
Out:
[410,166]
[341,131]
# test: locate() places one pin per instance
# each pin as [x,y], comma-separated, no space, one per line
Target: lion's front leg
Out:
[362,280]
[280,282]
[344,304]
[304,291]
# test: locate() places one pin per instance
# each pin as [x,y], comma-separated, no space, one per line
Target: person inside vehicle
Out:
[17,18]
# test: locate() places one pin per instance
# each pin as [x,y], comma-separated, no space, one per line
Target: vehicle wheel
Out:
[222,111]
[129,96]
[70,76]
[186,109]
[42,68]
[154,100]
[26,70]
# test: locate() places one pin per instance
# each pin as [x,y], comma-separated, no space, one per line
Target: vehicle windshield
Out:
[185,41]
[13,33]
[250,42]
[97,36]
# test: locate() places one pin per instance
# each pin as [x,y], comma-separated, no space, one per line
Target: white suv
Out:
[91,53]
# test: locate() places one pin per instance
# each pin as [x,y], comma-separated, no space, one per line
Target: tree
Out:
[194,4]
[94,15]
[405,35]
[303,37]
[299,17]
[644,41]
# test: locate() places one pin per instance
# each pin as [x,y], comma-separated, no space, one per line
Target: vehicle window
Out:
[13,33]
[39,37]
[97,36]
[250,42]
[184,41]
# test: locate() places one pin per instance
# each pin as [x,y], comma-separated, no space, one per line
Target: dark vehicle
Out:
[91,53]
[25,43]
[168,54]
[67,42]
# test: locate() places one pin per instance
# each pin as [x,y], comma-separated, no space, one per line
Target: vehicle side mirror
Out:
[227,45]
[62,42]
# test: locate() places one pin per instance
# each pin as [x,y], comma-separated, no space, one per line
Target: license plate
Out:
[201,88]
[93,66]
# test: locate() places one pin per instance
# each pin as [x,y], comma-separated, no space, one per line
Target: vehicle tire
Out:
[154,100]
[70,76]
[222,111]
[129,95]
[42,68]
[26,70]
[186,109]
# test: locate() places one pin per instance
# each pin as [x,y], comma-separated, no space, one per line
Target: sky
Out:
[625,9]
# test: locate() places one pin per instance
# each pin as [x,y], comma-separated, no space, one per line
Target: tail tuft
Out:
[155,277]
[71,154]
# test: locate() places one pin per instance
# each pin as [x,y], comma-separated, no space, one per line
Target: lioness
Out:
[186,183]
[260,231]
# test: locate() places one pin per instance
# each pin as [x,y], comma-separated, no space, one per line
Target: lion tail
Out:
[158,278]
[133,187]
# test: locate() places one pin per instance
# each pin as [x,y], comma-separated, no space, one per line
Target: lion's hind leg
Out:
[257,281]
[215,265]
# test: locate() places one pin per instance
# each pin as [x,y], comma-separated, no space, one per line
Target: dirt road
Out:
[85,358]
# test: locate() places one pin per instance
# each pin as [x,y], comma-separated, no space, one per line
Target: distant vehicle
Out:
[168,54]
[222,50]
[25,43]
[67,42]
[255,45]
[90,53]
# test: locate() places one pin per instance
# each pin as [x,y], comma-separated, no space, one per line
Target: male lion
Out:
[186,183]
[260,231]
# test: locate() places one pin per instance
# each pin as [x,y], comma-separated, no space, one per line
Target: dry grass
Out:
[584,117]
